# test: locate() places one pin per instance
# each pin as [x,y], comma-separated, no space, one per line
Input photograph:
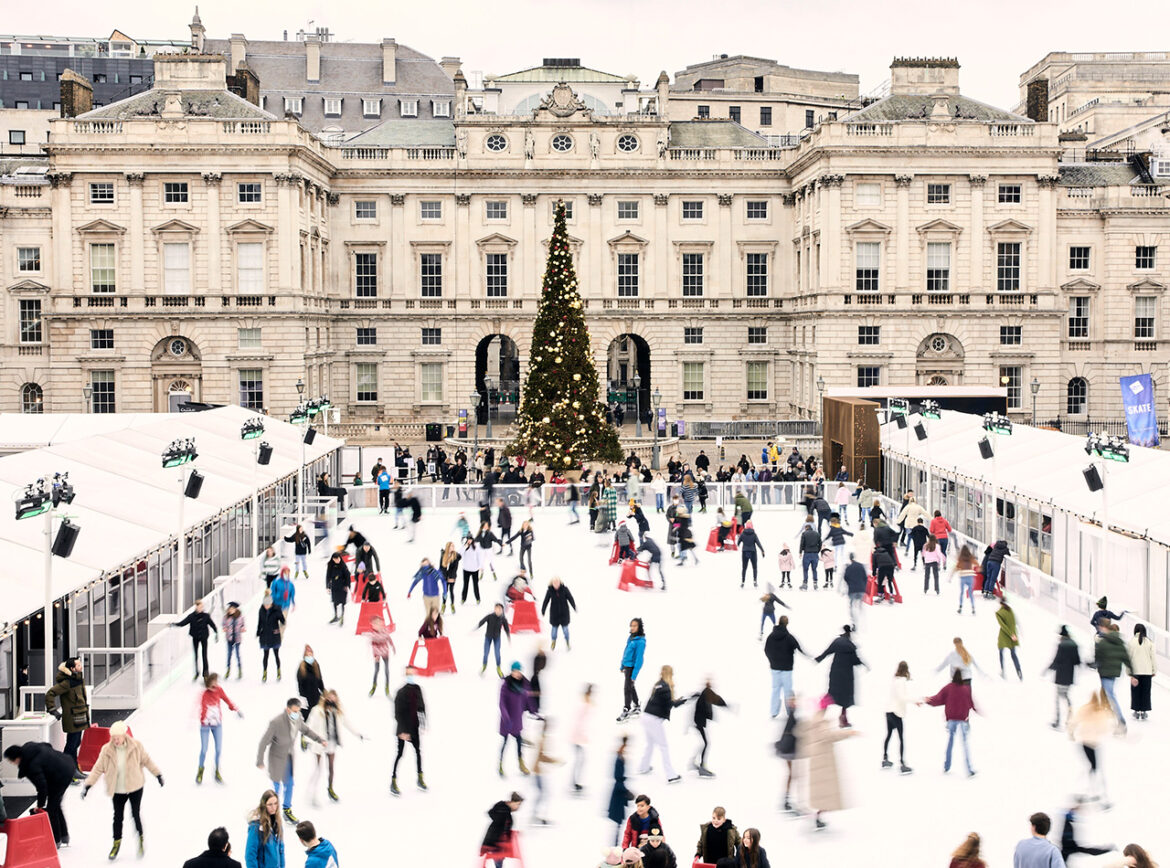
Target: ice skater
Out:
[337,578]
[817,740]
[409,719]
[957,706]
[786,564]
[1008,639]
[580,736]
[278,742]
[1090,726]
[211,722]
[233,634]
[705,702]
[561,600]
[121,762]
[964,568]
[631,665]
[493,623]
[515,699]
[749,541]
[269,630]
[658,709]
[845,660]
[770,600]
[302,547]
[381,644]
[895,717]
[650,547]
[1064,665]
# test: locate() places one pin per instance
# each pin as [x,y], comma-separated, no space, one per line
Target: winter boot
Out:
[199,775]
[499,672]
[483,670]
[523,768]
[218,776]
[373,688]
[228,673]
[422,785]
[114,849]
[394,791]
[277,673]
[500,769]
[387,690]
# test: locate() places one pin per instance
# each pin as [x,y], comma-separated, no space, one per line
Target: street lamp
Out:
[489,383]
[656,400]
[1110,449]
[638,405]
[1035,387]
[87,391]
[995,424]
[179,454]
[821,396]
[300,386]
[475,399]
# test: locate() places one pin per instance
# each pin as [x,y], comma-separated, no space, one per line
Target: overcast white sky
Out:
[995,40]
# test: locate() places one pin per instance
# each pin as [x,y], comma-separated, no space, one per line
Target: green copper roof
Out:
[560,73]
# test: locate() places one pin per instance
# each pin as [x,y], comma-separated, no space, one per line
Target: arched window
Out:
[1078,396]
[32,398]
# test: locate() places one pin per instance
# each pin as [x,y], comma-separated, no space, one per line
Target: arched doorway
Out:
[940,360]
[176,370]
[629,356]
[497,359]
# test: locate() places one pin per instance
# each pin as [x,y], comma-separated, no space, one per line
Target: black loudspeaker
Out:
[920,431]
[1092,478]
[264,455]
[194,485]
[310,436]
[66,537]
[900,421]
[985,448]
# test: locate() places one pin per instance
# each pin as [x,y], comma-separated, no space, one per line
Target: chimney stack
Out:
[1037,102]
[245,84]
[389,60]
[239,49]
[450,65]
[313,57]
[76,94]
[197,33]
[663,94]
[460,94]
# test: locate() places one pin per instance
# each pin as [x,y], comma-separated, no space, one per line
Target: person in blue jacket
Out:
[432,582]
[1102,613]
[265,847]
[384,480]
[631,666]
[319,853]
[284,592]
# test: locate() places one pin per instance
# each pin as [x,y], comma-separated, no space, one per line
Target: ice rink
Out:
[704,626]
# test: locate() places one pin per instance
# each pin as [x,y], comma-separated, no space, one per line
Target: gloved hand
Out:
[240,715]
[56,713]
[84,792]
[160,780]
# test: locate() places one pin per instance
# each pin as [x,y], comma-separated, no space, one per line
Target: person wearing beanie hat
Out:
[497,843]
[1064,665]
[1103,613]
[612,856]
[656,853]
[51,773]
[121,762]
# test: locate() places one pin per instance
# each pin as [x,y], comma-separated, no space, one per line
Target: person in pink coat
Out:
[841,501]
[934,558]
[828,564]
[787,564]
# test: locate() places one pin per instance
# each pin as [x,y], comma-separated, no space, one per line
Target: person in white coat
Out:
[327,718]
[581,735]
[1143,667]
[895,713]
[470,562]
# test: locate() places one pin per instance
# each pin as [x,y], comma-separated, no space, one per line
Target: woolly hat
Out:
[516,667]
[118,727]
[613,856]
[1064,631]
[1103,603]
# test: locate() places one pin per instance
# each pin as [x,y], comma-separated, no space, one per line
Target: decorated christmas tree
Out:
[561,423]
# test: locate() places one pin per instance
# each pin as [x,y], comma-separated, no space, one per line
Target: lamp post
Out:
[638,405]
[1035,387]
[179,454]
[821,397]
[656,401]
[253,429]
[489,384]
[994,424]
[87,391]
[1108,449]
[475,399]
[302,416]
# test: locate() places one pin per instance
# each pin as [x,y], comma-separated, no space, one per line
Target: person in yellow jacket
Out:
[121,762]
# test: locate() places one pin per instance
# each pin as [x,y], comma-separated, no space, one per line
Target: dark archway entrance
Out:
[497,360]
[629,355]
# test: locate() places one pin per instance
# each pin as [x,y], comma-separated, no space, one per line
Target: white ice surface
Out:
[703,626]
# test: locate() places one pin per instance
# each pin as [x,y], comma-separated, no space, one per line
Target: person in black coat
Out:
[499,832]
[883,562]
[198,623]
[409,714]
[640,518]
[310,684]
[373,591]
[367,555]
[560,598]
[749,541]
[841,671]
[856,579]
[705,701]
[51,772]
[810,553]
[337,579]
[824,512]
[504,523]
[218,853]
[648,545]
[356,539]
[656,853]
[269,624]
[1064,664]
[619,796]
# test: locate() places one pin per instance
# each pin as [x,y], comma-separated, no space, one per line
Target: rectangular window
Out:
[757,381]
[30,321]
[693,335]
[248,339]
[1144,257]
[294,104]
[757,274]
[430,210]
[1010,194]
[1078,317]
[103,391]
[869,336]
[938,266]
[101,339]
[692,274]
[21,104]
[810,118]
[177,269]
[371,108]
[692,381]
[1007,266]
[869,375]
[692,210]
[102,270]
[733,113]
[867,194]
[765,116]
[440,108]
[432,337]
[367,337]
[365,275]
[28,259]
[175,193]
[495,209]
[1011,377]
[430,377]
[1079,258]
[248,192]
[757,334]
[627,210]
[430,269]
[332,107]
[136,79]
[16,137]
[552,212]
[869,264]
[1011,336]
[1145,309]
[27,76]
[938,194]
[365,209]
[627,274]
[408,108]
[250,268]
[252,389]
[704,111]
[101,193]
[757,210]
[366,378]
[496,273]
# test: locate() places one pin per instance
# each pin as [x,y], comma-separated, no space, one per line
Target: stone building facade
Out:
[185,244]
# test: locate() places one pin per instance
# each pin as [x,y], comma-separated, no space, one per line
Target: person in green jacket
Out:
[69,690]
[1110,654]
[1006,618]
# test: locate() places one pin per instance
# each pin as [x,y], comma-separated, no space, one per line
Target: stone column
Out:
[663,252]
[724,267]
[831,234]
[461,259]
[902,239]
[975,241]
[137,239]
[214,240]
[594,244]
[63,235]
[1046,247]
[398,251]
[287,233]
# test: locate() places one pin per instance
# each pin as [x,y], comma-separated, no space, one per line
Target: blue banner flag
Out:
[1137,393]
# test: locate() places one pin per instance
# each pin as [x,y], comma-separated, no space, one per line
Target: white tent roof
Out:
[126,503]
[1044,466]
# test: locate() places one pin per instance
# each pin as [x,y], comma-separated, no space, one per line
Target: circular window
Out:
[627,143]
[496,142]
[938,343]
[562,143]
[178,347]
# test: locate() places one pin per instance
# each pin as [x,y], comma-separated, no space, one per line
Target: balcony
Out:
[1145,346]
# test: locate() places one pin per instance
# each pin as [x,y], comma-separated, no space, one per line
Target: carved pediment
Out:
[939,225]
[574,242]
[102,226]
[1010,225]
[175,226]
[497,240]
[1080,285]
[868,227]
[29,287]
[562,102]
[1147,284]
[249,226]
[628,237]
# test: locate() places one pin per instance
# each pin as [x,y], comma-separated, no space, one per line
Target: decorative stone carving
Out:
[977,180]
[725,199]
[594,198]
[212,179]
[528,199]
[60,179]
[397,198]
[462,198]
[832,180]
[562,102]
[529,145]
[135,179]
[789,199]
[1048,181]
[333,198]
[661,198]
[903,180]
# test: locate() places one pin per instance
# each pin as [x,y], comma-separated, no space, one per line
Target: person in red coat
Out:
[941,530]
[957,704]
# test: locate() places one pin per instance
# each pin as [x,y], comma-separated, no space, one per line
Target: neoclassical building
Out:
[185,244]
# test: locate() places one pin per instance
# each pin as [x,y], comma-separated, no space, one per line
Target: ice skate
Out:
[422,784]
[115,848]
[704,772]
[886,764]
[332,795]
[218,776]
[290,817]
[905,769]
[199,775]
[394,791]
[523,768]
[141,847]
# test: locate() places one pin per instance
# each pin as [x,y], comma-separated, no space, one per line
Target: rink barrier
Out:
[30,842]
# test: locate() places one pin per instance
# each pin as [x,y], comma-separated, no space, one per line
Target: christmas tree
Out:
[561,423]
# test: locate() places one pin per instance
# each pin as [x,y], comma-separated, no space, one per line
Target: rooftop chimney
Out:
[197,32]
[924,75]
[451,66]
[239,49]
[176,72]
[245,84]
[389,61]
[1037,103]
[313,57]
[460,94]
[663,94]
[76,94]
